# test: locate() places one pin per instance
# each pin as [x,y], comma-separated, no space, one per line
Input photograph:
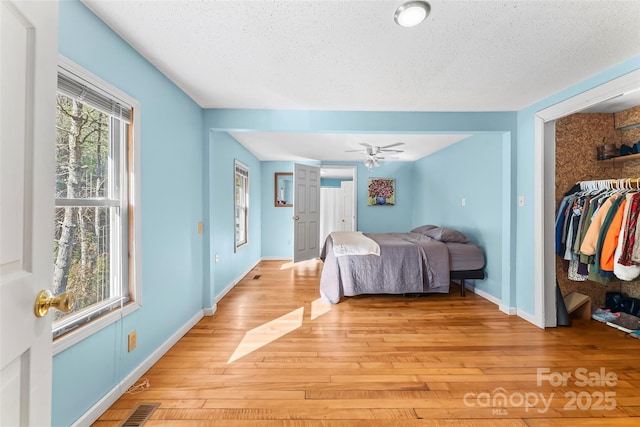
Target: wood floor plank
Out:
[583,422]
[336,423]
[438,360]
[284,414]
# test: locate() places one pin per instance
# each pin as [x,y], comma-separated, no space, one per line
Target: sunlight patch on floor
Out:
[311,263]
[269,332]
[318,308]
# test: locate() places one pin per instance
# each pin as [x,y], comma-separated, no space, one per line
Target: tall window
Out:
[93,195]
[241,189]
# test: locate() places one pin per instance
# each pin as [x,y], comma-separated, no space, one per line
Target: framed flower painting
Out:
[382,191]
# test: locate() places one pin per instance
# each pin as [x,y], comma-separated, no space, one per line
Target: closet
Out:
[336,209]
[578,137]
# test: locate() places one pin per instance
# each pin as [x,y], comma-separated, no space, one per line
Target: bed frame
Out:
[463,275]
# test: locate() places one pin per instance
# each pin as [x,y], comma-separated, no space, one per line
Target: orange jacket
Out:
[611,239]
[590,240]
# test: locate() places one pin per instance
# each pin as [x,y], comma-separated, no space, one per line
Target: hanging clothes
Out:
[624,272]
[596,273]
[596,231]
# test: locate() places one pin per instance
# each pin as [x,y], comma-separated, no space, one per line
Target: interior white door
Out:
[306,212]
[28,72]
[348,199]
[330,211]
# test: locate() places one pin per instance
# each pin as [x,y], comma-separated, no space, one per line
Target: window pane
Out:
[83,150]
[82,261]
[240,231]
[92,216]
[241,205]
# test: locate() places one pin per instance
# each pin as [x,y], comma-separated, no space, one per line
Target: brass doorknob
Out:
[295,218]
[45,300]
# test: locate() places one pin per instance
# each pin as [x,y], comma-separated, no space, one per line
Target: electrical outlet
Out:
[217,258]
[132,340]
[464,202]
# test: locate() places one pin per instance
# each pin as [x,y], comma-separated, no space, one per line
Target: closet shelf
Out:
[619,161]
[578,303]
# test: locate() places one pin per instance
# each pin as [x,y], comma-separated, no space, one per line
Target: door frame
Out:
[544,185]
[349,171]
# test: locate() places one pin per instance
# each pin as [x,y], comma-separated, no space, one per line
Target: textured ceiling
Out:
[350,55]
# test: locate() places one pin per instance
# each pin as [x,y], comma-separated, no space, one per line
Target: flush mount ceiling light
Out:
[412,13]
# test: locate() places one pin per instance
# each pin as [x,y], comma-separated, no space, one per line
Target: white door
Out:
[347,205]
[306,212]
[28,73]
[330,212]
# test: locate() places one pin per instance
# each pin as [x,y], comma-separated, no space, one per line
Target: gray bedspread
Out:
[408,263]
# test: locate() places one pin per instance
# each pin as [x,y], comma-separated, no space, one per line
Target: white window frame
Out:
[130,231]
[241,209]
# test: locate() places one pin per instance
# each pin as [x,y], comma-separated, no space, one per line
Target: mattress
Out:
[408,263]
[465,256]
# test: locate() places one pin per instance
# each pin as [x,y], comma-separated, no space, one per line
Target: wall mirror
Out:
[283,189]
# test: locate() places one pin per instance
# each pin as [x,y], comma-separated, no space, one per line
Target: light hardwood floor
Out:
[272,355]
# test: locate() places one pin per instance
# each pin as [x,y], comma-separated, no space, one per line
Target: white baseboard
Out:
[210,310]
[114,394]
[485,295]
[276,258]
[511,311]
[235,282]
[528,317]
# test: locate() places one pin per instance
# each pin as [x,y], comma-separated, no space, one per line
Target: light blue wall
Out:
[245,120]
[382,219]
[277,222]
[525,177]
[223,150]
[171,205]
[332,182]
[471,169]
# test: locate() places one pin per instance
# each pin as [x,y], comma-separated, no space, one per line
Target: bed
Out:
[424,260]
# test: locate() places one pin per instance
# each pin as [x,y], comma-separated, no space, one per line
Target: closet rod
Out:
[611,183]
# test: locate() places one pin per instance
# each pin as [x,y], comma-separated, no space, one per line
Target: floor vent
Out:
[256,277]
[140,415]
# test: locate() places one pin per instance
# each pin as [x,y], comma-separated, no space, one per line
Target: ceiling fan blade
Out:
[391,151]
[364,144]
[392,145]
[353,151]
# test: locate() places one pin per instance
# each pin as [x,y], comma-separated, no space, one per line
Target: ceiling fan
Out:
[374,153]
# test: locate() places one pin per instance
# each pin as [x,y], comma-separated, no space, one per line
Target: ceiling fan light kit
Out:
[411,13]
[371,163]
[373,153]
